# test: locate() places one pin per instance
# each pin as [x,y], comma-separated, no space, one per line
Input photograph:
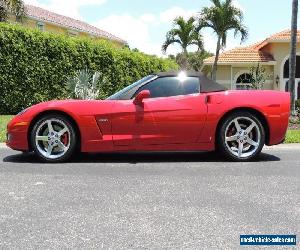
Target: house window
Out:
[72,33]
[40,26]
[287,86]
[286,69]
[243,82]
[297,89]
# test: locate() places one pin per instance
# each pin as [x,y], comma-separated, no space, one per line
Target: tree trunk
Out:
[185,59]
[215,66]
[293,54]
[3,12]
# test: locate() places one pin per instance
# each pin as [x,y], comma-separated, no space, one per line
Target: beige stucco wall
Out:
[225,72]
[280,52]
[53,28]
[269,84]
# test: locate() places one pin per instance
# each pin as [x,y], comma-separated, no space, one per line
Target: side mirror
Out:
[144,94]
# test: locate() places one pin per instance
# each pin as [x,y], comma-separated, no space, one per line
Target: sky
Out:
[144,23]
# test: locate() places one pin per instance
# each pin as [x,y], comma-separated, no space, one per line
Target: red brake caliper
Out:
[65,139]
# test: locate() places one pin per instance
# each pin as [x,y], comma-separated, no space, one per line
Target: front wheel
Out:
[241,137]
[53,138]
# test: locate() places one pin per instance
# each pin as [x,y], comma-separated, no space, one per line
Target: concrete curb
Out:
[277,147]
[283,147]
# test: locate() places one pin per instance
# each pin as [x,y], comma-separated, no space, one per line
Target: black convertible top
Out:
[207,85]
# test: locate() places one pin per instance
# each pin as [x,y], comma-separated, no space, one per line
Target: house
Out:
[272,54]
[48,21]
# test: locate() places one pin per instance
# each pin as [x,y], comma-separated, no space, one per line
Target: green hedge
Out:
[297,104]
[35,66]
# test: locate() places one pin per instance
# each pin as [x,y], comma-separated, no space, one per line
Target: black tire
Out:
[72,135]
[227,151]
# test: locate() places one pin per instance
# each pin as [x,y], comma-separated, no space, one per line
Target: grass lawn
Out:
[293,136]
[4,119]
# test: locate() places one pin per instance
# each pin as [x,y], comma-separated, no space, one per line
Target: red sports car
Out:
[161,112]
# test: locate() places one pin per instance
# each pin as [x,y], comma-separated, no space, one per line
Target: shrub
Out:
[84,85]
[297,105]
[35,66]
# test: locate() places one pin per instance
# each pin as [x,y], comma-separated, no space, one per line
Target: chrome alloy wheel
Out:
[242,137]
[53,138]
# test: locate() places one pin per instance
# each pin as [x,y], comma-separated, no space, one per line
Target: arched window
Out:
[298,89]
[243,82]
[286,68]
[287,86]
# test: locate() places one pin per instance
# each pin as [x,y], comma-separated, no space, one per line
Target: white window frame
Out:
[241,84]
[40,26]
[73,33]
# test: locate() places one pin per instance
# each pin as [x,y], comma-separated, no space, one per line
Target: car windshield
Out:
[120,95]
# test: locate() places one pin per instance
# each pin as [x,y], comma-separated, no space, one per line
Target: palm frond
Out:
[183,33]
[171,38]
[221,18]
[14,7]
[216,3]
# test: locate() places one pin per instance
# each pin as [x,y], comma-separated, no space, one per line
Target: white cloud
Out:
[125,26]
[66,7]
[169,15]
[148,18]
[210,41]
[134,30]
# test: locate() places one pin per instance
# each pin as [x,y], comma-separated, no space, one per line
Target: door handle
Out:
[207,99]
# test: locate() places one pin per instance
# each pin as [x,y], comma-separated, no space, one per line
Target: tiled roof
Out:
[283,35]
[242,55]
[252,53]
[48,16]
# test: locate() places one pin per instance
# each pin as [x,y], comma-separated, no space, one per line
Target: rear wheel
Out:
[53,138]
[241,137]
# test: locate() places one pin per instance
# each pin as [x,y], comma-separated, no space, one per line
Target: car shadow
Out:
[138,157]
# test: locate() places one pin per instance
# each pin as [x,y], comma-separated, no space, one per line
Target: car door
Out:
[175,113]
[130,124]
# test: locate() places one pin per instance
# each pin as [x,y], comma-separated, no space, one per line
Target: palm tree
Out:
[185,34]
[11,7]
[85,85]
[293,54]
[222,17]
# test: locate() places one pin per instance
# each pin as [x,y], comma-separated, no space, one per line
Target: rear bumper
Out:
[17,134]
[278,126]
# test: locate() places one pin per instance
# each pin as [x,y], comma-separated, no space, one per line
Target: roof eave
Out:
[281,41]
[75,29]
[240,63]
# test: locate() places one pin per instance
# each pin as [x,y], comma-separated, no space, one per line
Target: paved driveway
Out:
[147,201]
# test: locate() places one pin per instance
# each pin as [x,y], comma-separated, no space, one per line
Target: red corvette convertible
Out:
[161,112]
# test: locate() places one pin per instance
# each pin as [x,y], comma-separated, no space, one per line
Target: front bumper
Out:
[17,131]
